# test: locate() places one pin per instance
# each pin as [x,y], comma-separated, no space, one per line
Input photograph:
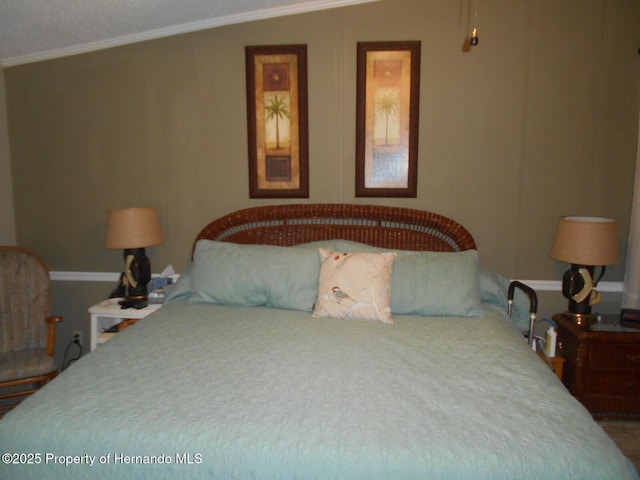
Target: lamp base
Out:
[137,275]
[134,302]
[582,318]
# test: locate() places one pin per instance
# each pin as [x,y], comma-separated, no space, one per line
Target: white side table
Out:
[108,313]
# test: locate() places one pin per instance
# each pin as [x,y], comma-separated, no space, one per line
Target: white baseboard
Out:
[84,276]
[538,285]
[556,286]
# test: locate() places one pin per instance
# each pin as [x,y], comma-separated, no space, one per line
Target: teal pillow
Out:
[423,283]
[436,283]
[427,283]
[183,288]
[251,275]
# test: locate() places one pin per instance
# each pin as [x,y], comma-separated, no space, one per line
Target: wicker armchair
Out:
[27,332]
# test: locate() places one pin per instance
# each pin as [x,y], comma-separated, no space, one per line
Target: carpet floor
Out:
[627,436]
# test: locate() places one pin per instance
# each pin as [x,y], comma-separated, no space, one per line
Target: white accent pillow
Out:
[355,285]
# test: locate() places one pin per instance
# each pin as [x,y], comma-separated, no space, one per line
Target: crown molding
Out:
[305,7]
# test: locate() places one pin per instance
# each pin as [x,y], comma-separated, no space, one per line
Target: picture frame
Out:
[387,111]
[277,121]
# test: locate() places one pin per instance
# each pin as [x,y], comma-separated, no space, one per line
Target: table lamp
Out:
[133,229]
[585,243]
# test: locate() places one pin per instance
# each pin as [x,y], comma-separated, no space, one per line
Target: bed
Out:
[316,342]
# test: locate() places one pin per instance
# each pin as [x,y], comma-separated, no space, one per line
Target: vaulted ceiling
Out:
[33,30]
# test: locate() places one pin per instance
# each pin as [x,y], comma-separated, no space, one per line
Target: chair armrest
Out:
[52,320]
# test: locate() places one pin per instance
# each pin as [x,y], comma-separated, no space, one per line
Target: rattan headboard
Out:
[380,226]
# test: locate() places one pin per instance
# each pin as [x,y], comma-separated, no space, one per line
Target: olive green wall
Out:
[538,121]
[7,224]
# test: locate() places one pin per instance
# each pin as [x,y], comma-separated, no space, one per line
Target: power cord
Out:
[65,362]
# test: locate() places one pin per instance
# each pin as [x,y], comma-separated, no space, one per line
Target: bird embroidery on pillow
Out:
[339,295]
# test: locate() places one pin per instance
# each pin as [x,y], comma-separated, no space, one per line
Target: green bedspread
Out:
[199,391]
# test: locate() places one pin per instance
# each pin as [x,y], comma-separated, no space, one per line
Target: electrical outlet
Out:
[77,335]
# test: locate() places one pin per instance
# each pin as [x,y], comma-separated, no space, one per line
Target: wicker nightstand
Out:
[602,365]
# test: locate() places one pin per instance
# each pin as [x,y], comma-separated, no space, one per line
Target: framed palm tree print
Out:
[387,109]
[277,121]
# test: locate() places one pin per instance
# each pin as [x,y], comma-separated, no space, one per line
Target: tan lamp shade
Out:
[590,241]
[137,227]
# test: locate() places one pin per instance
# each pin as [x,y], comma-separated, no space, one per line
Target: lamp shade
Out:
[137,227]
[586,241]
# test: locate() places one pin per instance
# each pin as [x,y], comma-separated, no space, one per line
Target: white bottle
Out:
[550,347]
